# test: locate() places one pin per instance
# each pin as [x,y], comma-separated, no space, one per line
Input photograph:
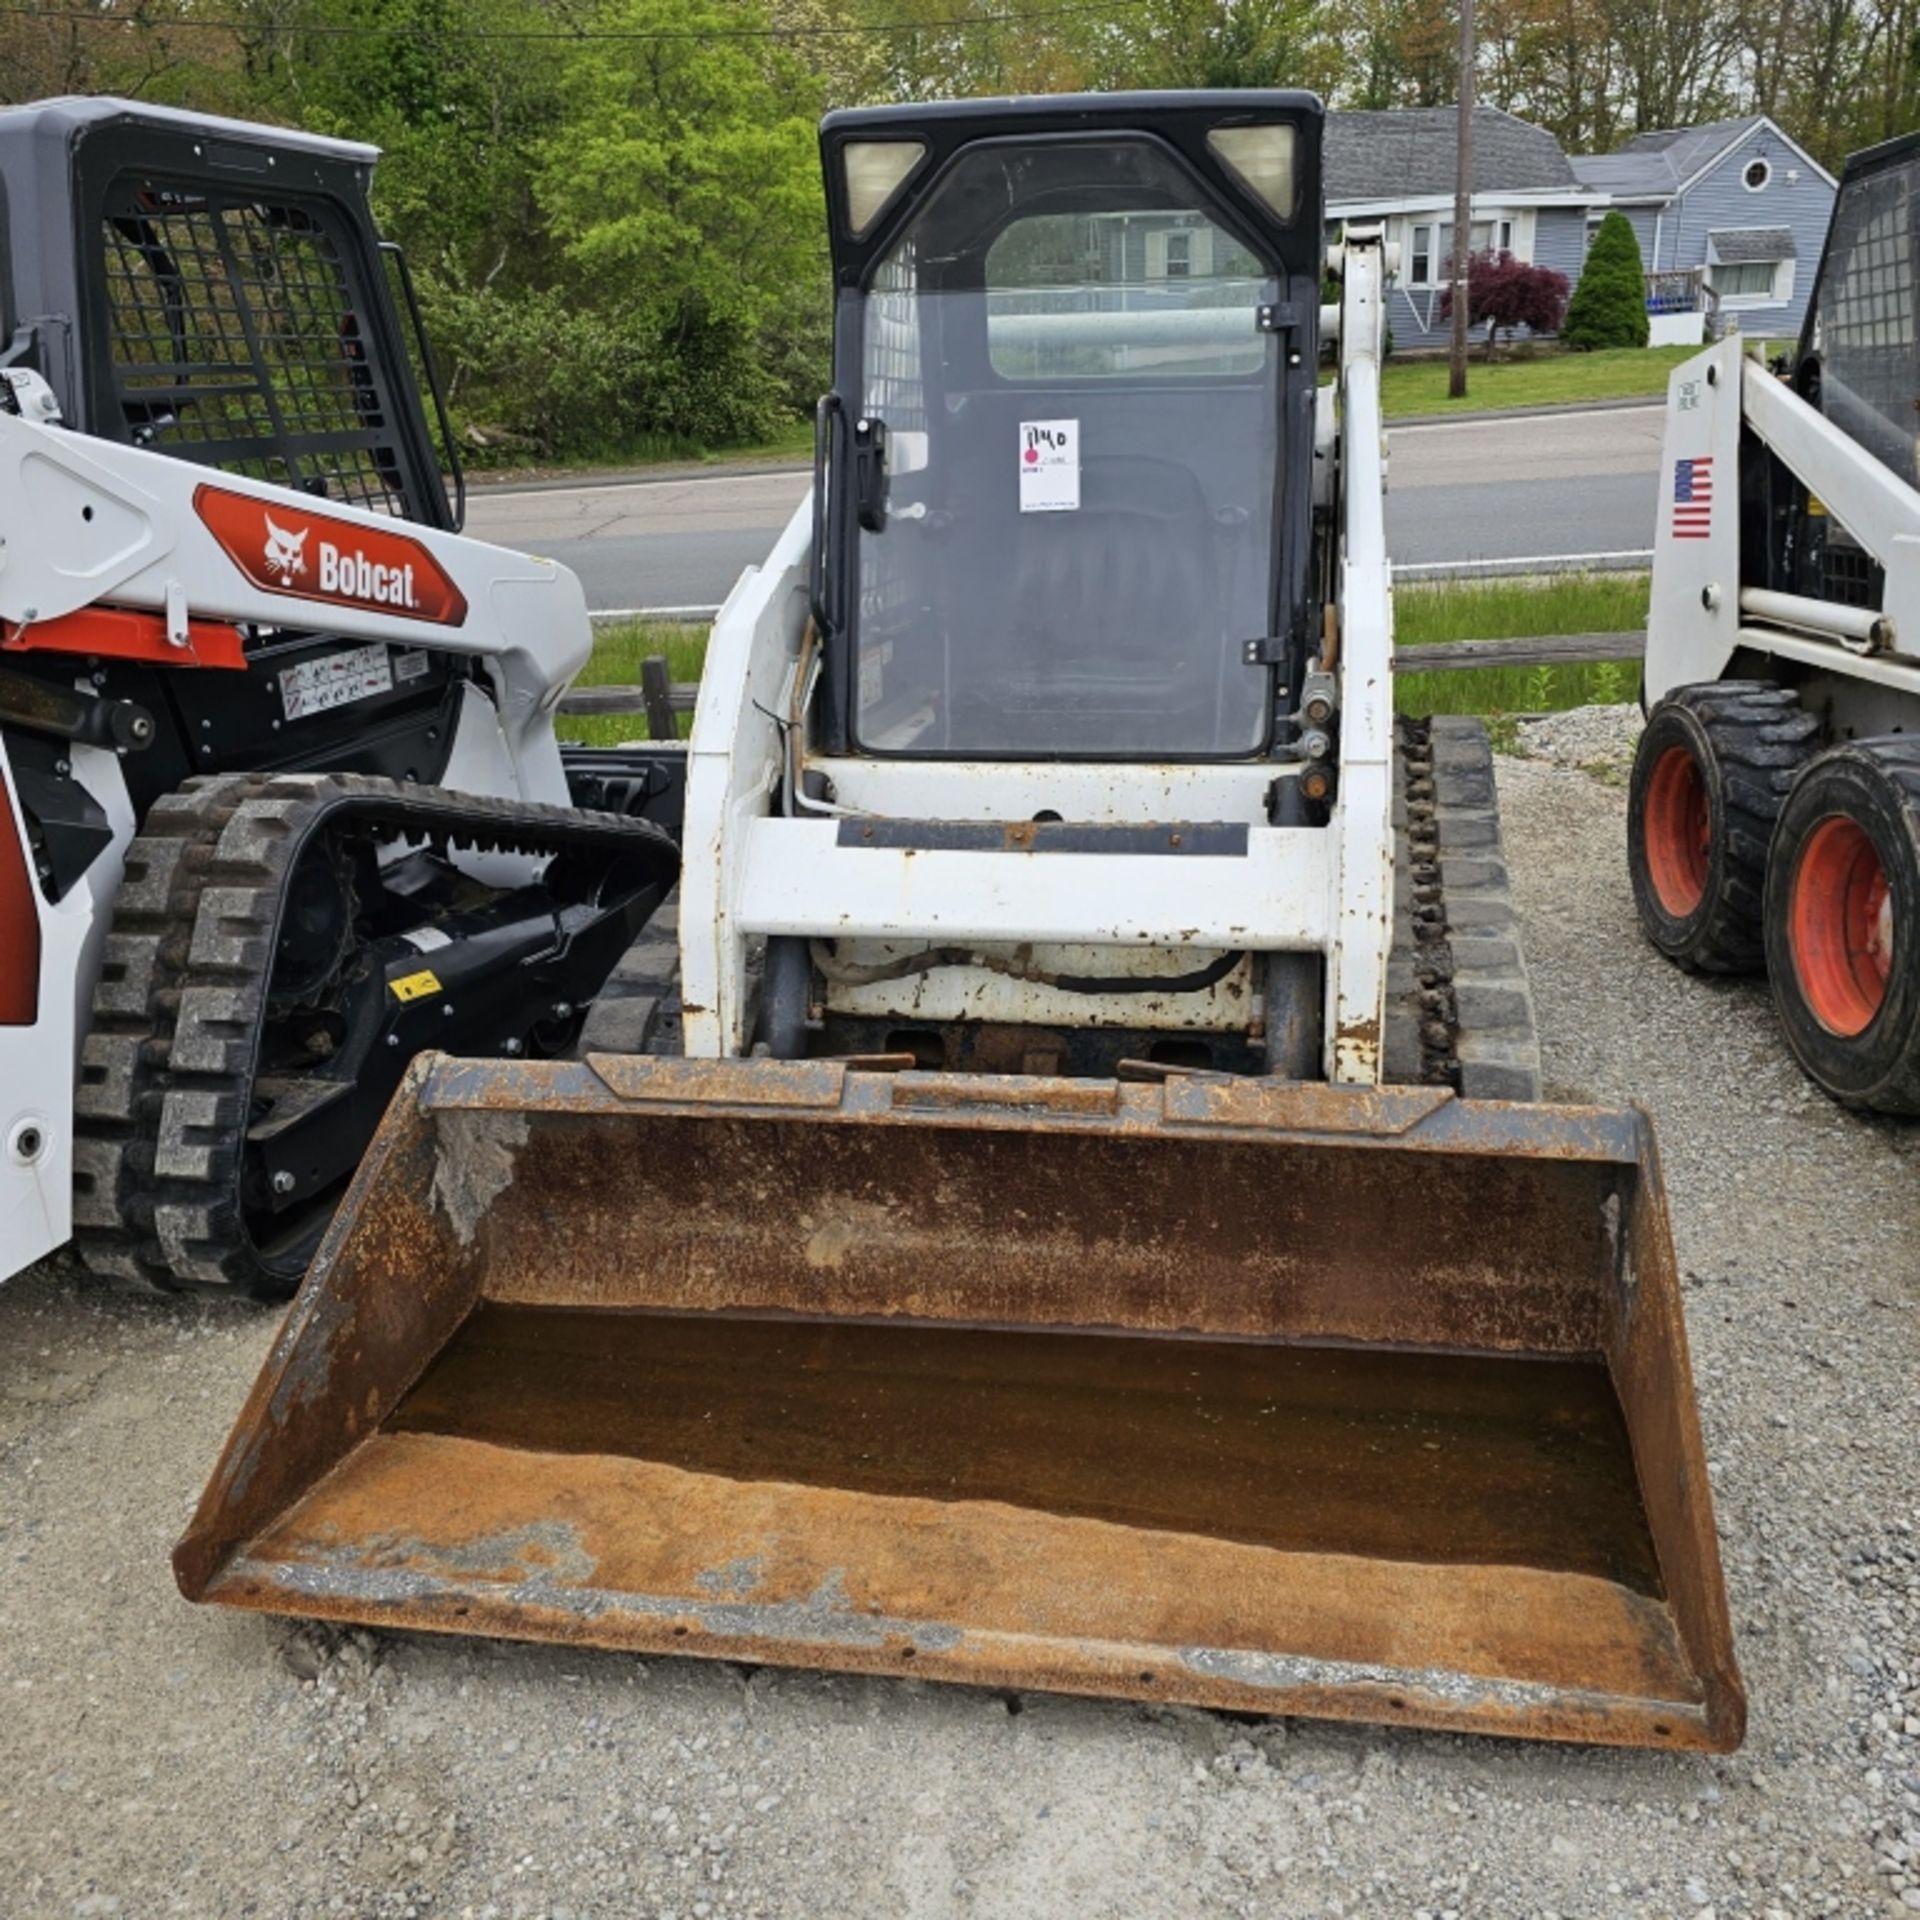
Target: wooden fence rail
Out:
[663,700]
[1539,650]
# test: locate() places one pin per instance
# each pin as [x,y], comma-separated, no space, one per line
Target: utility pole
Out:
[1462,209]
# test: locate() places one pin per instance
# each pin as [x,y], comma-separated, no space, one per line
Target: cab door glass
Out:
[1066,354]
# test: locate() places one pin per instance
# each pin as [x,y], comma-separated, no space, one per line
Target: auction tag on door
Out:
[1049,466]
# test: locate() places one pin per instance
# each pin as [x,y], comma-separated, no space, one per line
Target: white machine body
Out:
[91,524]
[765,857]
[1701,618]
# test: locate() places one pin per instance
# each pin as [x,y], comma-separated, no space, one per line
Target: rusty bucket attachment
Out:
[1239,1393]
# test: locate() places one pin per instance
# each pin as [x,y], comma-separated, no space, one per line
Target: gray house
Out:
[1398,167]
[1730,216]
[1737,205]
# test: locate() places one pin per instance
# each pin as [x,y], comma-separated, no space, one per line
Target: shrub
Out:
[532,372]
[1509,293]
[1609,307]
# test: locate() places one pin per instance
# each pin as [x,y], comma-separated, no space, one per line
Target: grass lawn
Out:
[1548,380]
[1508,610]
[1452,610]
[617,654]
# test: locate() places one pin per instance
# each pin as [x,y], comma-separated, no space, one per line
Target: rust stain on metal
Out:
[1358,1033]
[1229,1392]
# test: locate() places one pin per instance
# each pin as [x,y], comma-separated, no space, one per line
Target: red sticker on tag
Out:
[312,556]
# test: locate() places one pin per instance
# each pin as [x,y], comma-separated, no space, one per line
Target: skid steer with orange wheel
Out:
[1774,817]
[1098,1229]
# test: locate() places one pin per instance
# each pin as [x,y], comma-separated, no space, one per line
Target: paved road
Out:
[1565,483]
[1461,490]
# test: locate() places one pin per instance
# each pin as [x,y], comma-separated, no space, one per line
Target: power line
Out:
[336,31]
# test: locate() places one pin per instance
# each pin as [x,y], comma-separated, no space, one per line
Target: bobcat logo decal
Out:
[286,552]
[360,564]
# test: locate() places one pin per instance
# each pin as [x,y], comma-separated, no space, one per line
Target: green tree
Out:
[1609,306]
[1219,43]
[455,93]
[683,187]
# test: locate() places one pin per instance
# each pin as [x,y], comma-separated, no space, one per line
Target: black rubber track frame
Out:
[1749,739]
[167,1066]
[1459,1007]
[1876,784]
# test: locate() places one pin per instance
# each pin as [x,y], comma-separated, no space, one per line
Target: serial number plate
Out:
[315,685]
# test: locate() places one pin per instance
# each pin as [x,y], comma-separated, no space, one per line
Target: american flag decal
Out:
[1692,499]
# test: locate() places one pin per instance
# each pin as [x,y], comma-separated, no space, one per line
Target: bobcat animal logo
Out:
[286,552]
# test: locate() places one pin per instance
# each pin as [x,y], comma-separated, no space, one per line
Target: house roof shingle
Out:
[1653,165]
[1409,152]
[1738,246]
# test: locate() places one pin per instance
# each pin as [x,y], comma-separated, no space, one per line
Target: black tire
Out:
[1710,775]
[1842,923]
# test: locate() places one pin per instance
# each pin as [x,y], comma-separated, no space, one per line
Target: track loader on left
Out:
[281,801]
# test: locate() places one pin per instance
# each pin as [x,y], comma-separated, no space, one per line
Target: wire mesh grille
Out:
[237,341]
[1869,303]
[1849,576]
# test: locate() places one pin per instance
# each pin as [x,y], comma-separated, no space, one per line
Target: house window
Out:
[1756,175]
[1747,280]
[1433,248]
[1179,253]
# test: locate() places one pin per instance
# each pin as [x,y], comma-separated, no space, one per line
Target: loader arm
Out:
[92,525]
[1710,598]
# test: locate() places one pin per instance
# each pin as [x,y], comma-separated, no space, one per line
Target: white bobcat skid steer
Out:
[280,797]
[1775,807]
[1033,1277]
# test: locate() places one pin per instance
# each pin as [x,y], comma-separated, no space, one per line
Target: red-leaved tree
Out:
[1503,292]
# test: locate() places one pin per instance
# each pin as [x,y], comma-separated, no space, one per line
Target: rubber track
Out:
[1459,1006]
[167,1066]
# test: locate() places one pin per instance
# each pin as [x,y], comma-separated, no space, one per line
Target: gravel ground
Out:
[1599,740]
[157,1760]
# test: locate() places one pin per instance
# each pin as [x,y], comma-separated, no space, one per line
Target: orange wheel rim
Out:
[1840,926]
[1679,831]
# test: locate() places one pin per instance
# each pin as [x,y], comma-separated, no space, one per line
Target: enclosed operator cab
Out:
[1068,451]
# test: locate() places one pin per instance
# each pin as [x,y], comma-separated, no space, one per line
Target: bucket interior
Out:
[1325,1425]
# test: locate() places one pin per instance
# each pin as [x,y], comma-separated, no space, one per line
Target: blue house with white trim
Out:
[1730,216]
[1740,203]
[1397,166]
